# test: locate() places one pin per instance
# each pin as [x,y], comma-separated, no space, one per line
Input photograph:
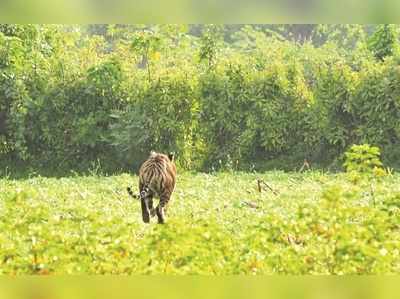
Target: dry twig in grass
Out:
[262,185]
[305,165]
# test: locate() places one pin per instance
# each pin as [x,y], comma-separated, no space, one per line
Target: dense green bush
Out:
[363,159]
[259,101]
[384,41]
[248,114]
[163,116]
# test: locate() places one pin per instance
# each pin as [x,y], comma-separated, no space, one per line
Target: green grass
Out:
[217,224]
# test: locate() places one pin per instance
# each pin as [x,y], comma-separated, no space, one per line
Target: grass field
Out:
[313,223]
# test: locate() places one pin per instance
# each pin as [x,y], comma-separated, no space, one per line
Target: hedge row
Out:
[75,105]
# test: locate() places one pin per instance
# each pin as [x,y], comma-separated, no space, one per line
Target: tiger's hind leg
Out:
[151,208]
[160,210]
[145,210]
[146,199]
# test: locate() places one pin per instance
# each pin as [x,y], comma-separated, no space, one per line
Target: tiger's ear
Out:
[153,154]
[171,156]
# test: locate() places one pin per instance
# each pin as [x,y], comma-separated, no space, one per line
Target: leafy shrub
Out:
[163,117]
[67,99]
[363,159]
[383,42]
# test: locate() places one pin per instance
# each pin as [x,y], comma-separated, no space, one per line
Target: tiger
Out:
[157,178]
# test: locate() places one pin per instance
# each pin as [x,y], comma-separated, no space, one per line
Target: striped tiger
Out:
[157,178]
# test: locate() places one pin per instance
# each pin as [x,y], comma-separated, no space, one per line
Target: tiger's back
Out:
[158,173]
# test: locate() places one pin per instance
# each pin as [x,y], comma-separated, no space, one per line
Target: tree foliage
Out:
[384,41]
[220,96]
